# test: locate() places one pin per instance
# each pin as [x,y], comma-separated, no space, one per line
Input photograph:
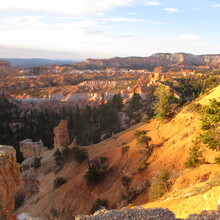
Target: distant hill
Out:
[156,60]
[25,63]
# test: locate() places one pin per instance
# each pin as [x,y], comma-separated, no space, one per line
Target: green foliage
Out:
[195,156]
[54,213]
[19,200]
[37,162]
[161,185]
[79,154]
[58,182]
[99,204]
[65,152]
[96,172]
[93,176]
[210,122]
[194,107]
[125,180]
[124,150]
[166,104]
[58,157]
[217,160]
[163,178]
[141,137]
[103,160]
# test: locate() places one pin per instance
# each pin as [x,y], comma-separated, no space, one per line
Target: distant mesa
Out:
[155,60]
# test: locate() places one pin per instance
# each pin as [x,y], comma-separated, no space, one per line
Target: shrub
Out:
[125,180]
[54,213]
[37,162]
[58,157]
[99,204]
[59,181]
[65,152]
[93,176]
[217,160]
[19,200]
[163,178]
[79,155]
[195,157]
[138,133]
[194,107]
[103,160]
[124,150]
[141,137]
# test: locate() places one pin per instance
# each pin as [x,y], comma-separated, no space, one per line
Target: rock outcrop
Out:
[61,135]
[156,60]
[32,149]
[10,181]
[140,213]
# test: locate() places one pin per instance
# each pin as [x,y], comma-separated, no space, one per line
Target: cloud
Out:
[113,19]
[81,8]
[190,37]
[152,3]
[217,5]
[171,10]
[132,13]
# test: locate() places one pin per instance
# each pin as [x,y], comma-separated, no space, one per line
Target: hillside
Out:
[171,142]
[156,60]
[26,63]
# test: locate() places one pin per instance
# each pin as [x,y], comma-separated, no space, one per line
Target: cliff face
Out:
[10,181]
[156,60]
[32,149]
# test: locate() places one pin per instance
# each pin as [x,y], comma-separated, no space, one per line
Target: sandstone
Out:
[61,135]
[10,181]
[32,149]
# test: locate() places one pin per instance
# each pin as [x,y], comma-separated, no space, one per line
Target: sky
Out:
[80,29]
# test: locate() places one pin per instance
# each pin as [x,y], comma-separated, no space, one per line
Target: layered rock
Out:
[10,181]
[32,149]
[140,213]
[156,60]
[61,135]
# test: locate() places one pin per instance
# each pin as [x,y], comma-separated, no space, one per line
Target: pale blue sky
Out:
[71,29]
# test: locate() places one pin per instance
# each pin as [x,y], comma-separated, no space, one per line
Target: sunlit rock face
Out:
[32,149]
[61,135]
[10,181]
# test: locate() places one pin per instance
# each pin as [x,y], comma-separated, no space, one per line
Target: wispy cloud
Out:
[190,37]
[81,8]
[132,13]
[217,5]
[113,19]
[152,3]
[171,10]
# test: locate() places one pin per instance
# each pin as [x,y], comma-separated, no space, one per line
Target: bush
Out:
[19,200]
[99,204]
[138,133]
[217,160]
[124,150]
[103,160]
[37,162]
[93,176]
[194,107]
[164,179]
[79,155]
[141,137]
[58,157]
[65,152]
[195,157]
[125,180]
[59,181]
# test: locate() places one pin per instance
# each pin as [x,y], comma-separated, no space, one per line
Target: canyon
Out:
[171,142]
